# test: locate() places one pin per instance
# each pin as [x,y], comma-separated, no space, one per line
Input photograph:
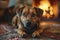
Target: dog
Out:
[28,21]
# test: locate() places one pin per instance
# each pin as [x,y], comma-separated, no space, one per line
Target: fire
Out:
[47,8]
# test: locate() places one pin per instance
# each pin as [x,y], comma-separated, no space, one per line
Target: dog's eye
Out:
[33,15]
[25,14]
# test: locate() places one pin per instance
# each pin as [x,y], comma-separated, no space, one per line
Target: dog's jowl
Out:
[28,21]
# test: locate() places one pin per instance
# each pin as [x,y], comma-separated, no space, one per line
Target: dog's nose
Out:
[28,23]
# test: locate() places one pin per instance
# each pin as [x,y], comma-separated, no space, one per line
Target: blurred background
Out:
[7,10]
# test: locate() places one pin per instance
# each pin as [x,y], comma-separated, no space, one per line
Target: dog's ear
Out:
[39,12]
[19,11]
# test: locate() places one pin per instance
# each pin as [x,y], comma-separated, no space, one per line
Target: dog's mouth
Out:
[30,27]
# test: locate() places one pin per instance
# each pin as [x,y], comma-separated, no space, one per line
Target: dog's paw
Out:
[36,34]
[22,34]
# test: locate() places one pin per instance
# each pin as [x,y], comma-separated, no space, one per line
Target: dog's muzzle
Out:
[29,25]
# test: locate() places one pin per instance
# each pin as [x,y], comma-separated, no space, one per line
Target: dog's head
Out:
[29,17]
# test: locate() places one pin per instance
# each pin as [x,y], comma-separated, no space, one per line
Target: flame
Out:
[45,5]
[49,7]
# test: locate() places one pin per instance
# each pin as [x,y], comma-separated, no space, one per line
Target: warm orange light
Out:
[44,4]
[50,10]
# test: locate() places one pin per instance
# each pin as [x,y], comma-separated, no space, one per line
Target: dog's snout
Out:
[28,23]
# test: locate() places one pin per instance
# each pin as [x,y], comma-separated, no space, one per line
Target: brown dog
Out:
[28,20]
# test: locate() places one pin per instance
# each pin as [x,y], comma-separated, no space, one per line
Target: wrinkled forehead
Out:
[29,10]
